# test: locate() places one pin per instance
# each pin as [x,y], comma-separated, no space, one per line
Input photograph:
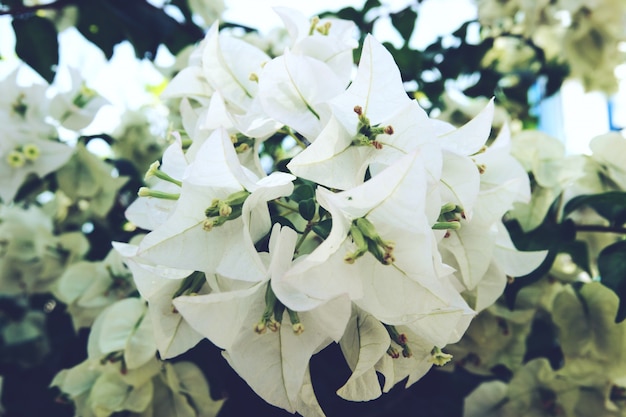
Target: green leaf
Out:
[302,192]
[322,229]
[555,237]
[94,23]
[307,209]
[579,252]
[612,267]
[283,221]
[37,44]
[370,4]
[404,22]
[611,205]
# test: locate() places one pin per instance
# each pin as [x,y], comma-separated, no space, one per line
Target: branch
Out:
[599,228]
[16,11]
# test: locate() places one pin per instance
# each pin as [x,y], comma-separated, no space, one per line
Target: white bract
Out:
[384,233]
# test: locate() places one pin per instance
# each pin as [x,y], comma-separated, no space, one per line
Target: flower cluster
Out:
[380,231]
[585,35]
[31,143]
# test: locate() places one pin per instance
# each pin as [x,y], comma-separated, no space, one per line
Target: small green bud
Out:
[298,328]
[453,225]
[438,357]
[31,151]
[16,159]
[147,192]
[151,172]
[260,327]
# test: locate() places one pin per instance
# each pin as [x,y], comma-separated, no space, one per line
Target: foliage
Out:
[122,328]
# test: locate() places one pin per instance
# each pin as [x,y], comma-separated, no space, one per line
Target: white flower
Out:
[158,285]
[148,212]
[76,108]
[21,156]
[274,363]
[221,213]
[384,277]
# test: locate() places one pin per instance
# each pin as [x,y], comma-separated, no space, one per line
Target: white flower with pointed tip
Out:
[274,364]
[158,285]
[149,212]
[219,242]
[76,108]
[328,40]
[294,89]
[21,156]
[400,285]
[227,72]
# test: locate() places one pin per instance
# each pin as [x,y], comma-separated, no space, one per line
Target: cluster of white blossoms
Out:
[583,34]
[382,234]
[29,124]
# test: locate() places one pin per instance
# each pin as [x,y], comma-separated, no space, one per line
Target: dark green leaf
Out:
[555,237]
[322,229]
[183,6]
[611,205]
[307,209]
[612,267]
[37,44]
[94,23]
[579,252]
[302,192]
[370,4]
[283,221]
[145,25]
[404,22]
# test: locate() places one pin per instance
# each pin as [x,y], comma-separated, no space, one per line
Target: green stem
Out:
[305,233]
[285,206]
[599,228]
[287,131]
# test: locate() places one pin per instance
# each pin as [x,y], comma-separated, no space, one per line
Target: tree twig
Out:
[600,228]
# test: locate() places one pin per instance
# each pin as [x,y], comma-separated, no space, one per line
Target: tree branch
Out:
[599,228]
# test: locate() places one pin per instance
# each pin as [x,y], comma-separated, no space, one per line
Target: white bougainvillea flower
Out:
[25,108]
[158,285]
[189,82]
[503,182]
[149,212]
[364,134]
[363,344]
[201,236]
[374,101]
[274,364]
[377,88]
[609,151]
[294,89]
[76,108]
[89,287]
[227,72]
[329,40]
[22,155]
[544,157]
[123,328]
[386,284]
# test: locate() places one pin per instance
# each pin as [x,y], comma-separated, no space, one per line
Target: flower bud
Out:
[16,159]
[260,328]
[31,151]
[298,328]
[438,357]
[147,192]
[393,352]
[151,172]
